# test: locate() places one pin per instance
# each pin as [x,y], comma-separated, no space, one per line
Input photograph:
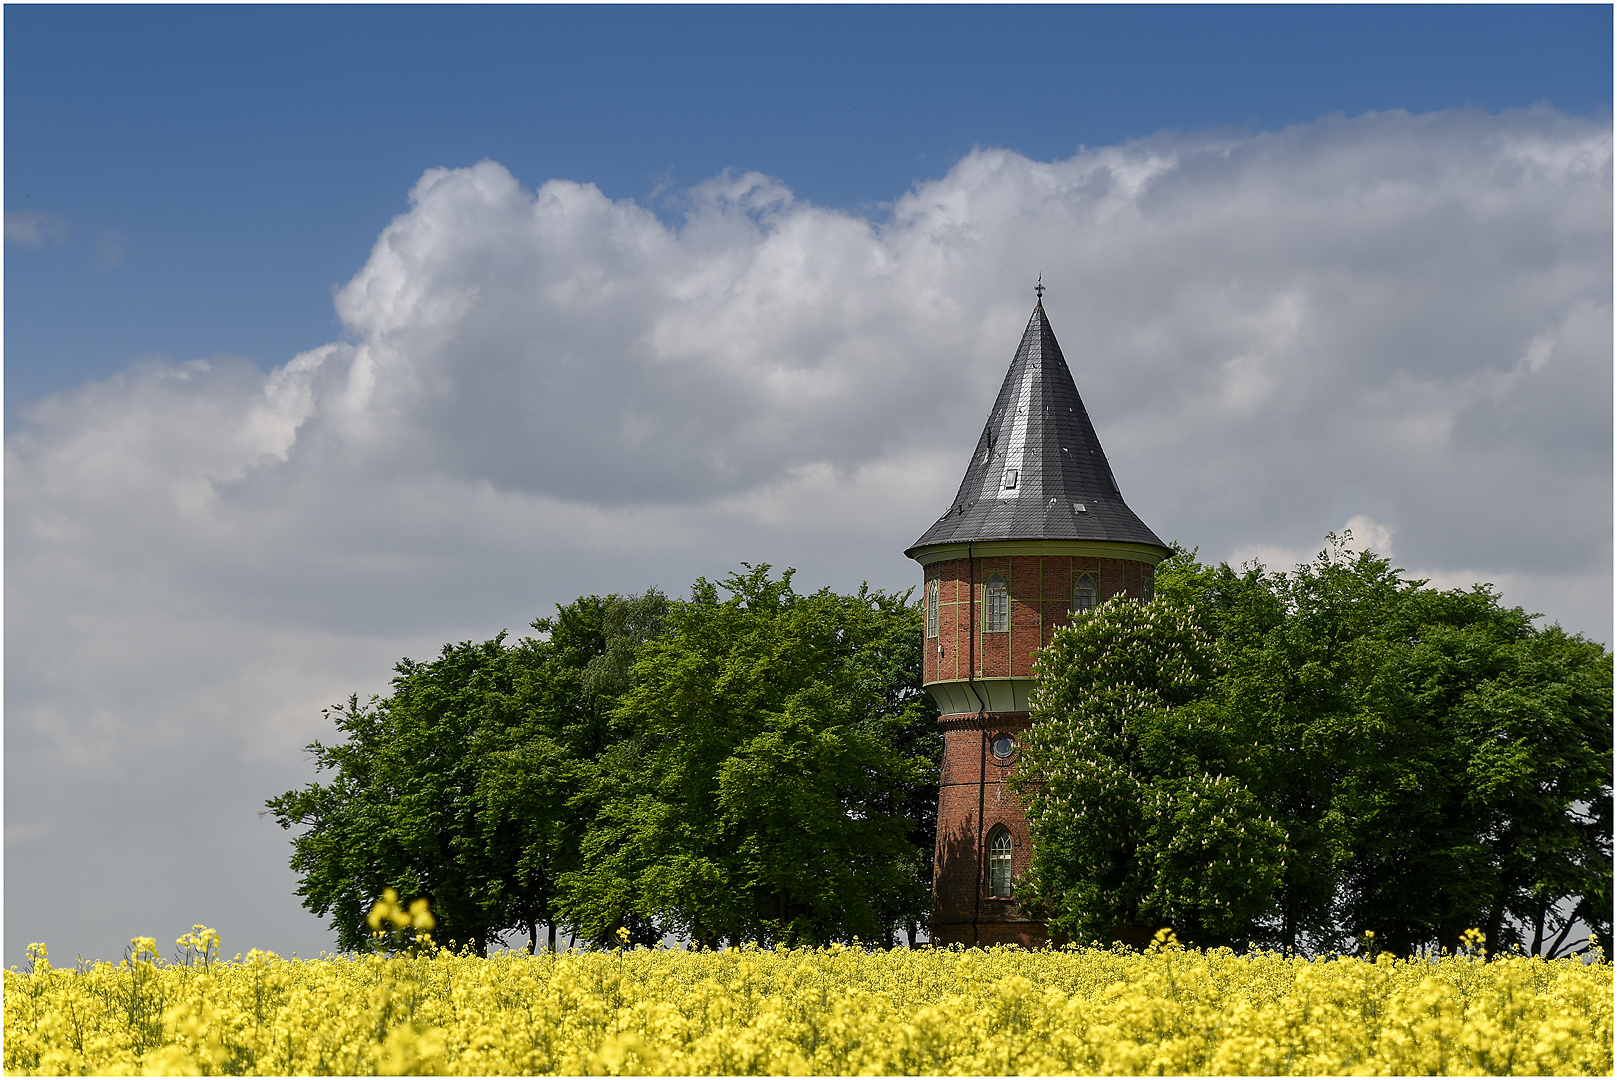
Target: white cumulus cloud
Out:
[1397,323]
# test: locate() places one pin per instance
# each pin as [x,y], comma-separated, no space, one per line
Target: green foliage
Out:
[758,766]
[775,749]
[456,786]
[1299,757]
[403,808]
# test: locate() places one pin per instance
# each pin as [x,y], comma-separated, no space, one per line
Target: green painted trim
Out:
[998,694]
[1099,549]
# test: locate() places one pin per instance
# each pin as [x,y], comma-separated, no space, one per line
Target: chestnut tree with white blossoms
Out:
[1142,814]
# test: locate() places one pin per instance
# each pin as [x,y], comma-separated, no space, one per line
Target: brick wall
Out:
[1041,600]
[973,798]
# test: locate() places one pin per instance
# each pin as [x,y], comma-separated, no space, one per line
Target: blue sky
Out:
[215,171]
[334,334]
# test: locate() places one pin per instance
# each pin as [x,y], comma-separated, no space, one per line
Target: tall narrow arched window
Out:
[1083,593]
[999,862]
[1148,587]
[996,605]
[932,608]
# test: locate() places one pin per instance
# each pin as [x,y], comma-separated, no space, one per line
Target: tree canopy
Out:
[458,787]
[1285,759]
[777,776]
[756,764]
[1295,758]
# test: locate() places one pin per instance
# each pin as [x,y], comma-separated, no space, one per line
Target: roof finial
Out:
[1038,290]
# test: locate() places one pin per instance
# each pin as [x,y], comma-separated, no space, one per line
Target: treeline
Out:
[747,764]
[1330,758]
[1334,757]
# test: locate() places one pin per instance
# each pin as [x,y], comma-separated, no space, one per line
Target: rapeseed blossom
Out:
[837,1010]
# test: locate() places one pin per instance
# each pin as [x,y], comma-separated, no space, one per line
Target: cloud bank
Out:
[1399,322]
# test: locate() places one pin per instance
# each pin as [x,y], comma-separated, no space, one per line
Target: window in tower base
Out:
[999,862]
[996,605]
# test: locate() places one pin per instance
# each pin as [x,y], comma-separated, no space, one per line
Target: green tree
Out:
[1487,799]
[1298,650]
[771,755]
[462,786]
[1431,762]
[537,785]
[404,809]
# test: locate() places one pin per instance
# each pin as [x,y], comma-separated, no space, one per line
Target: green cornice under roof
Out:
[1097,549]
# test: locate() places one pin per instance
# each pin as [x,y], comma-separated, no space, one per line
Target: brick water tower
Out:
[1037,531]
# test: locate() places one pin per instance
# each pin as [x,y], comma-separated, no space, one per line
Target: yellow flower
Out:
[832,1011]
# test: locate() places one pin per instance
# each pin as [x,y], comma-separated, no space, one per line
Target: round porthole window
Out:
[1004,746]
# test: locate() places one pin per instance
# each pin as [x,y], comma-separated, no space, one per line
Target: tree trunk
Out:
[552,926]
[1496,919]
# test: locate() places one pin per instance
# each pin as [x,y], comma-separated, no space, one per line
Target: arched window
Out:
[999,862]
[996,605]
[1148,586]
[932,608]
[1083,593]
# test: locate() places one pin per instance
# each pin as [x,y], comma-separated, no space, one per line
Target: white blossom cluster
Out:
[1125,816]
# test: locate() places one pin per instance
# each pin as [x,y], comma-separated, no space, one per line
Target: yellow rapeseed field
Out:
[827,1011]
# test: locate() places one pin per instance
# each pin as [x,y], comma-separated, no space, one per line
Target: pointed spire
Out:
[1039,472]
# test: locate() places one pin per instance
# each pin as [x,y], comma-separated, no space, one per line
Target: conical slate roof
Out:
[1038,461]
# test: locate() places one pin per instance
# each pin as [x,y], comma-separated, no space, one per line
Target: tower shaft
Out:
[1038,532]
